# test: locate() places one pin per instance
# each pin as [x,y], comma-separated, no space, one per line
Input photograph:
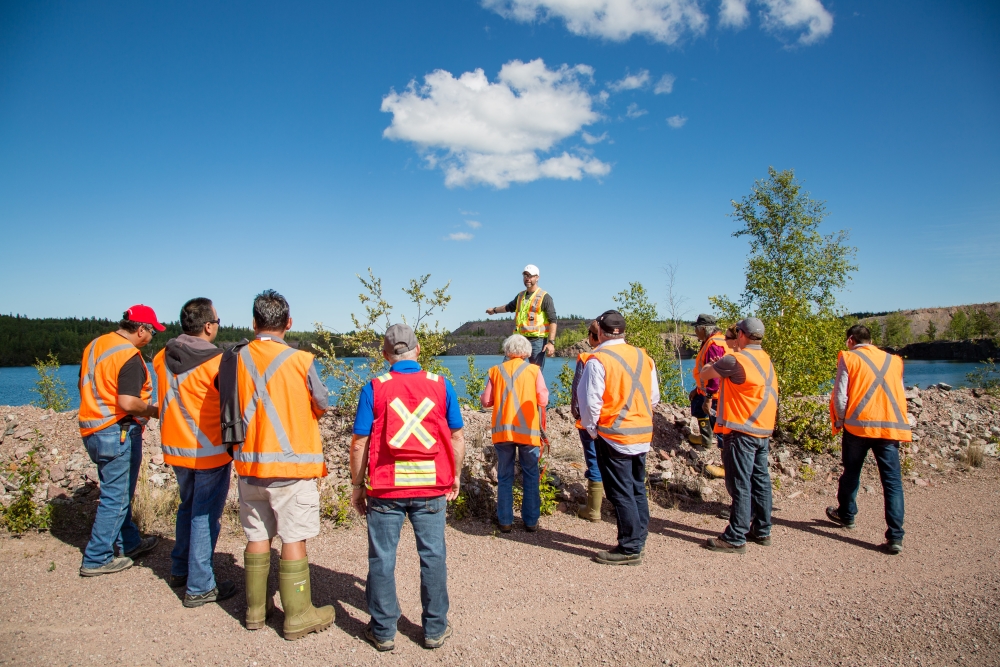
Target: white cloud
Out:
[631,82]
[482,132]
[460,236]
[591,139]
[677,122]
[665,85]
[734,14]
[634,111]
[475,224]
[661,20]
[808,15]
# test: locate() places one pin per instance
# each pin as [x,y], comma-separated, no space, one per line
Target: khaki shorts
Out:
[290,512]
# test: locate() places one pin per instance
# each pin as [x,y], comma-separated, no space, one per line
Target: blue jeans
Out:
[385,520]
[748,482]
[118,464]
[854,449]
[531,503]
[203,496]
[538,350]
[593,472]
[625,486]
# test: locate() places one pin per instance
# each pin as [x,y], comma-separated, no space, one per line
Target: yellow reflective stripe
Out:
[412,423]
[384,378]
[433,377]
[415,473]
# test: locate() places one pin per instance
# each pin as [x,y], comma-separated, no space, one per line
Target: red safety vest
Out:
[410,453]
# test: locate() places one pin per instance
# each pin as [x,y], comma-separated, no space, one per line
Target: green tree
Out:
[931,333]
[366,339]
[958,327]
[562,393]
[897,329]
[982,324]
[50,389]
[475,383]
[642,329]
[793,276]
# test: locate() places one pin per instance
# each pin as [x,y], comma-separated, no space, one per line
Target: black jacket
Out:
[229,396]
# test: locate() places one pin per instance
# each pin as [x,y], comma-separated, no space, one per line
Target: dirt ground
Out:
[820,595]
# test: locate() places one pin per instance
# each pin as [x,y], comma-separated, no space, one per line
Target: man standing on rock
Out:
[115,394]
[869,403]
[408,439]
[748,405]
[281,399]
[705,397]
[595,486]
[534,316]
[617,393]
[187,378]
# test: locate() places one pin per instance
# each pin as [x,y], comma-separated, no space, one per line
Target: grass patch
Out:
[153,506]
[807,473]
[24,514]
[973,456]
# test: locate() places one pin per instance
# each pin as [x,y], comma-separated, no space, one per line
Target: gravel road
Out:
[818,596]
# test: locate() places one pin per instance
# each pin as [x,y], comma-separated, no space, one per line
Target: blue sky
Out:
[151,152]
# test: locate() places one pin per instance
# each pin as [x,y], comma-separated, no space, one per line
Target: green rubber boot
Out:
[301,617]
[595,494]
[259,603]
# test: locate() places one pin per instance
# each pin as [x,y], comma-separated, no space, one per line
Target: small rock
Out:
[21,452]
[92,475]
[57,472]
[22,434]
[943,387]
[158,479]
[56,492]
[869,489]
[919,482]
[157,459]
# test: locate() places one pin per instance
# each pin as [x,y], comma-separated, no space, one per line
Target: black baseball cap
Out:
[611,322]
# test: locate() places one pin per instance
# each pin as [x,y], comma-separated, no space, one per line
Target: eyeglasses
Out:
[150,329]
[216,322]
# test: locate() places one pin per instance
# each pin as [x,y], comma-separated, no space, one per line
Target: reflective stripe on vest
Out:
[530,320]
[260,396]
[636,388]
[411,423]
[510,393]
[852,420]
[699,360]
[173,396]
[90,379]
[769,393]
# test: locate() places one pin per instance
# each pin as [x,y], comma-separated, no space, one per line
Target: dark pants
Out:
[538,350]
[625,486]
[203,498]
[702,407]
[748,481]
[854,450]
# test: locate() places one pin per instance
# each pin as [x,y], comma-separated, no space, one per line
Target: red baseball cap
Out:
[145,315]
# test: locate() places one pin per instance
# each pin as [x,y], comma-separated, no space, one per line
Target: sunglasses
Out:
[216,321]
[150,329]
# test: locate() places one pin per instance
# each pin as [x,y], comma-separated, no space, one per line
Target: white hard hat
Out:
[531,270]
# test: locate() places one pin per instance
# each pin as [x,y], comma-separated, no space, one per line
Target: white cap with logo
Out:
[531,270]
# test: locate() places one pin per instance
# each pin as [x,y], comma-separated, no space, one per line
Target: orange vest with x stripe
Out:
[750,407]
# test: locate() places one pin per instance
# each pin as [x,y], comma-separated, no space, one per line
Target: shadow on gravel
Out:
[680,531]
[825,529]
[547,539]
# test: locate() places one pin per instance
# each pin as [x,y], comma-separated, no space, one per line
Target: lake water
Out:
[17,383]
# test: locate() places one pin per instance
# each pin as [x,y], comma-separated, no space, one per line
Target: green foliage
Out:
[23,514]
[897,330]
[366,339]
[642,329]
[906,465]
[931,333]
[460,506]
[50,389]
[475,383]
[805,423]
[776,483]
[986,377]
[335,505]
[562,393]
[548,494]
[806,472]
[793,275]
[958,327]
[570,336]
[983,324]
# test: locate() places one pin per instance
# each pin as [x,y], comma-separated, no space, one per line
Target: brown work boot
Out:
[720,545]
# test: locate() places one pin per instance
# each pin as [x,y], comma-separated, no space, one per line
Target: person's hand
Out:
[359,501]
[451,495]
[152,411]
[550,349]
[490,311]
[691,395]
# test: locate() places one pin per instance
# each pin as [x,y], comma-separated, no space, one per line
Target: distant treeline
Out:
[23,339]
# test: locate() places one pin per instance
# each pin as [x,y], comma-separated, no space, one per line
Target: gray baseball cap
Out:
[705,321]
[399,338]
[751,326]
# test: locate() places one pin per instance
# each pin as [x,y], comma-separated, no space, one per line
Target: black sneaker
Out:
[531,529]
[222,591]
[764,541]
[178,580]
[893,548]
[616,557]
[833,514]
[146,545]
[439,641]
[381,645]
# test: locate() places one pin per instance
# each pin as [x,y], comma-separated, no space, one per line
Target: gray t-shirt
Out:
[729,366]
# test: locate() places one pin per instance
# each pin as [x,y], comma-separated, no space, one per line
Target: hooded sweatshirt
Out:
[186,352]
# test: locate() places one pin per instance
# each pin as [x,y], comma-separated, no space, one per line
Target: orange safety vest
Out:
[515,403]
[876,405]
[626,412]
[750,407]
[102,361]
[718,338]
[190,418]
[531,321]
[281,425]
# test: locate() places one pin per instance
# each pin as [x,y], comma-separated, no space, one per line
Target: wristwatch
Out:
[358,486]
[550,342]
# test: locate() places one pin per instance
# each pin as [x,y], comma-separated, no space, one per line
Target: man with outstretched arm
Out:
[534,316]
[408,441]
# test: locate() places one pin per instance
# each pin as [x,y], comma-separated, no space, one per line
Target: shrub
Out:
[24,514]
[642,329]
[897,330]
[958,327]
[986,377]
[460,506]
[806,472]
[906,465]
[152,505]
[50,389]
[548,494]
[562,392]
[475,383]
[973,456]
[335,505]
[806,423]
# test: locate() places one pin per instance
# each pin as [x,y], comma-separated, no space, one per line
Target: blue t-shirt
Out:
[365,415]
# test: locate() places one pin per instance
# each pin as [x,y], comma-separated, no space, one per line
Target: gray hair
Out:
[709,329]
[409,355]
[516,346]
